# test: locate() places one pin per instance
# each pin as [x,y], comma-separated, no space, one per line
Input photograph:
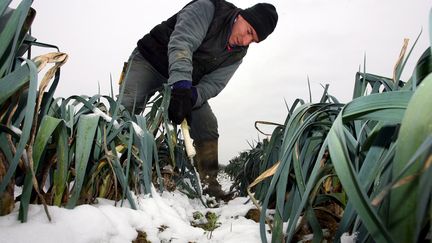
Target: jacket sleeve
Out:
[191,28]
[213,83]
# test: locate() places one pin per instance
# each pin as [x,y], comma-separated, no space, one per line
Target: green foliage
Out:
[242,169]
[69,151]
[13,80]
[414,131]
[209,222]
[364,164]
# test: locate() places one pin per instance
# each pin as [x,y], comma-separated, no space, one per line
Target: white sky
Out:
[323,39]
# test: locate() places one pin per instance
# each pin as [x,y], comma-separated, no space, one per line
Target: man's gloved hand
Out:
[183,98]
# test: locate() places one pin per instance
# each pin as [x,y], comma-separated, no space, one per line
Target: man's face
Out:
[242,33]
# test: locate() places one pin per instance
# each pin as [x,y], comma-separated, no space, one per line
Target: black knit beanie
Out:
[263,18]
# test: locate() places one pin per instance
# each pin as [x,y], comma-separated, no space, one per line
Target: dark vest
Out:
[210,55]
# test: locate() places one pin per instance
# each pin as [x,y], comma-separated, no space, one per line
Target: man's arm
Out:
[191,28]
[213,83]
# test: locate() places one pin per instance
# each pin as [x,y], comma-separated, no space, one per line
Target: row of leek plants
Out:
[365,164]
[69,151]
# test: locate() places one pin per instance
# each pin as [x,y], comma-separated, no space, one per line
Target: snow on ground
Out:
[163,217]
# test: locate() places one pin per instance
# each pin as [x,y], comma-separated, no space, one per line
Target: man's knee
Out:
[133,103]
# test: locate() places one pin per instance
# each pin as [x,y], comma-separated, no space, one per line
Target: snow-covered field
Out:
[163,217]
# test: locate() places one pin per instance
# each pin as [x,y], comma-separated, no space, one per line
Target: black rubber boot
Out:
[206,162]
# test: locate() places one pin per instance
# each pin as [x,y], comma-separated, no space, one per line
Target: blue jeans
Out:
[142,81]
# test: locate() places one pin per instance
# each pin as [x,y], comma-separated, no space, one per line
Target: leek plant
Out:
[70,151]
[361,167]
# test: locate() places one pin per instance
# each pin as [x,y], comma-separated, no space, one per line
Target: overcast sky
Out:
[323,39]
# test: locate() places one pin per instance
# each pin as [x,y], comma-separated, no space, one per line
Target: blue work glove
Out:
[183,98]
